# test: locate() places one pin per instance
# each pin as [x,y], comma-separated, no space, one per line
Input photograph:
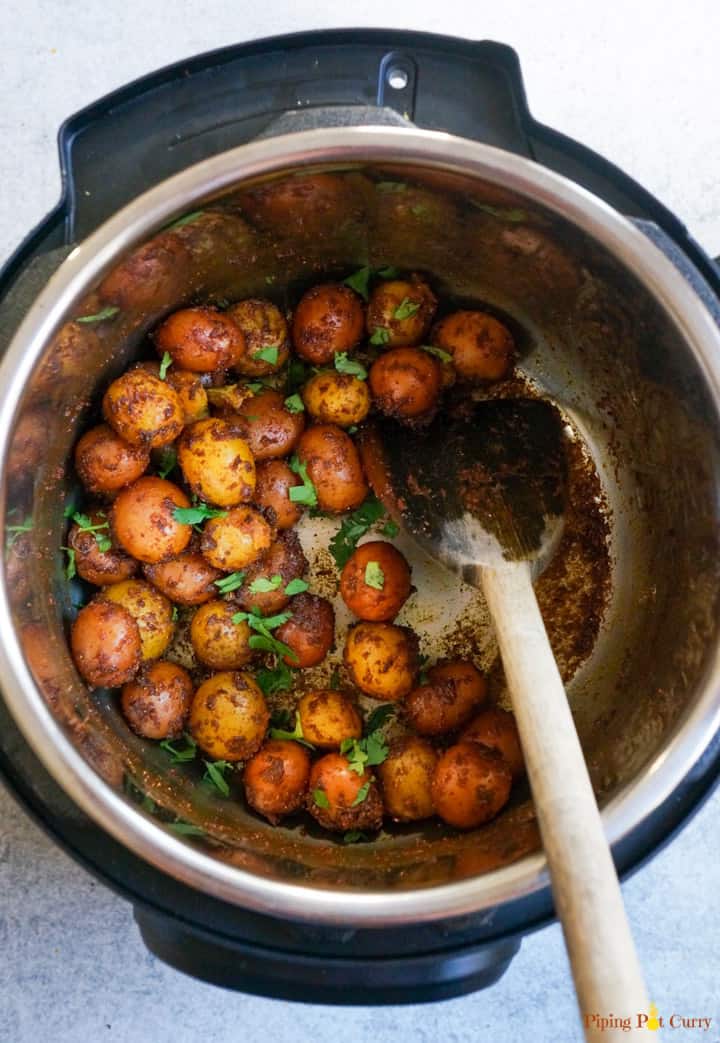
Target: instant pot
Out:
[621,308]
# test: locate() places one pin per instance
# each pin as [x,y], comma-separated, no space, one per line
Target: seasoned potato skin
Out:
[310,632]
[365,601]
[274,479]
[482,348]
[406,384]
[105,643]
[187,579]
[406,778]
[387,297]
[156,704]
[496,728]
[151,277]
[341,786]
[217,462]
[94,565]
[191,392]
[236,540]
[300,206]
[328,319]
[143,523]
[270,430]
[276,778]
[263,326]
[470,785]
[105,462]
[333,465]
[217,641]
[286,559]
[336,398]
[201,340]
[229,716]
[143,409]
[447,702]
[328,717]
[383,659]
[151,611]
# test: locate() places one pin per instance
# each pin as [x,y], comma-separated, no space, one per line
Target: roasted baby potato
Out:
[382,659]
[216,640]
[105,462]
[276,778]
[496,728]
[191,392]
[406,777]
[151,611]
[334,468]
[143,522]
[327,718]
[269,428]
[340,799]
[482,348]
[201,340]
[267,345]
[143,409]
[237,539]
[336,398]
[302,206]
[216,461]
[156,704]
[105,642]
[405,384]
[96,566]
[273,481]
[328,319]
[229,716]
[453,693]
[309,632]
[266,580]
[151,278]
[470,785]
[187,579]
[375,581]
[400,312]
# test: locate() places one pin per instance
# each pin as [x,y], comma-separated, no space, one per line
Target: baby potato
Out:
[403,309]
[276,778]
[267,345]
[328,319]
[383,659]
[346,800]
[191,392]
[454,691]
[237,539]
[334,468]
[151,277]
[406,384]
[385,567]
[470,785]
[156,704]
[142,520]
[99,567]
[303,206]
[285,559]
[201,340]
[143,409]
[406,777]
[105,462]
[229,716]
[217,641]
[28,448]
[482,348]
[187,579]
[327,718]
[310,631]
[151,611]
[269,428]
[336,398]
[105,643]
[216,461]
[496,728]
[273,482]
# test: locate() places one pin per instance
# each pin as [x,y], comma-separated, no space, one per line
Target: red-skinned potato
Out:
[470,785]
[375,581]
[406,383]
[303,206]
[269,428]
[496,728]
[229,716]
[327,718]
[261,590]
[105,462]
[406,777]
[334,468]
[340,799]
[151,278]
[310,632]
[150,609]
[453,693]
[187,579]
[276,778]
[383,659]
[274,479]
[328,319]
[143,409]
[156,704]
[217,641]
[482,348]
[96,566]
[143,522]
[402,309]
[105,642]
[236,540]
[217,462]
[267,345]
[201,340]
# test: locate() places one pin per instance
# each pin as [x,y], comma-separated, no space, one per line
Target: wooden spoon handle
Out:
[608,978]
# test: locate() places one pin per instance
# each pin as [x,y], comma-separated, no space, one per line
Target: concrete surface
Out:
[638,82]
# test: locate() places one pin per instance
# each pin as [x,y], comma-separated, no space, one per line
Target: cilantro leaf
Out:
[165,364]
[180,755]
[215,773]
[15,531]
[380,336]
[380,715]
[374,575]
[353,527]
[320,798]
[511,214]
[186,829]
[230,582]
[444,356]
[264,586]
[296,735]
[186,220]
[296,586]
[168,460]
[345,365]
[361,794]
[305,493]
[364,753]
[354,836]
[359,281]
[175,614]
[405,309]
[197,514]
[100,316]
[86,524]
[277,679]
[270,354]
[263,626]
[70,568]
[388,272]
[294,404]
[297,373]
[390,529]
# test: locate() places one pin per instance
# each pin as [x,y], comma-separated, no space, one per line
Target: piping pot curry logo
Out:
[652,1021]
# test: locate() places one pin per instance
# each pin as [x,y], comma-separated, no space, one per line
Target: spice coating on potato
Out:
[327,718]
[191,392]
[285,559]
[152,276]
[143,409]
[156,704]
[496,728]
[229,716]
[274,479]
[236,540]
[187,579]
[105,462]
[335,784]
[143,522]
[276,778]
[151,611]
[383,659]
[96,566]
[310,631]
[269,428]
[216,640]
[403,309]
[216,461]
[200,340]
[105,643]
[482,348]
[387,569]
[447,702]
[334,468]
[406,777]
[302,205]
[328,319]
[267,345]
[336,398]
[470,785]
[406,384]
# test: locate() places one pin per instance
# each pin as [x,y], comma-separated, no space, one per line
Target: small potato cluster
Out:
[204,464]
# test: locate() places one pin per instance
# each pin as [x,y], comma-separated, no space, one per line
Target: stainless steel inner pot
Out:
[614,334]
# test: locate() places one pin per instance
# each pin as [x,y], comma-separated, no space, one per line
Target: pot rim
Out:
[85,266]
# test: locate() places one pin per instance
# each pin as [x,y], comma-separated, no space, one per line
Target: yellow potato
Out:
[336,398]
[237,539]
[143,409]
[229,716]
[406,776]
[150,609]
[217,641]
[216,462]
[382,659]
[327,718]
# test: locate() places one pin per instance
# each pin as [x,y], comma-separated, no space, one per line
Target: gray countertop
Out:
[638,82]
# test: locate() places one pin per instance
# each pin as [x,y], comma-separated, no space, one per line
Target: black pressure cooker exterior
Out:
[116,149]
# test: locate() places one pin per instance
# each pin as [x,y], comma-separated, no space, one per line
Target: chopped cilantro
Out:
[296,735]
[165,364]
[270,354]
[320,798]
[197,514]
[380,715]
[215,773]
[354,836]
[390,529]
[359,281]
[374,575]
[305,493]
[186,829]
[444,356]
[380,336]
[361,794]
[294,404]
[70,569]
[263,626]
[388,272]
[180,754]
[345,365]
[364,753]
[353,527]
[168,460]
[231,582]
[264,586]
[100,316]
[296,586]
[15,531]
[511,214]
[186,220]
[86,524]
[405,309]
[277,679]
